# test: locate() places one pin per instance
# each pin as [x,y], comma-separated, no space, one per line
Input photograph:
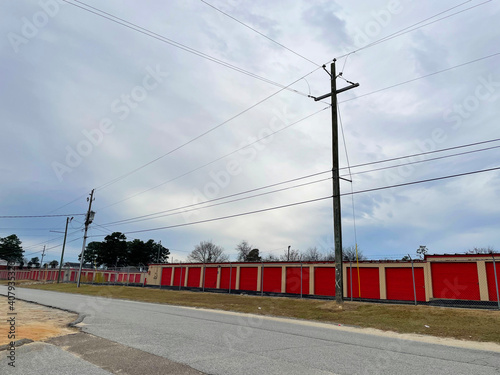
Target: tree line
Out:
[208,252]
[116,251]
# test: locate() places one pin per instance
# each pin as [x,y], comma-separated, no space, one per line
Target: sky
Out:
[162,105]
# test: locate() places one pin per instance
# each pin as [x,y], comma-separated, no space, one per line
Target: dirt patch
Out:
[35,322]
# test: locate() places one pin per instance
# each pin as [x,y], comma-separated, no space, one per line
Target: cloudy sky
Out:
[161,105]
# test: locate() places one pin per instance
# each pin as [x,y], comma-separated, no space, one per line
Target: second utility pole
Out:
[88,220]
[337,219]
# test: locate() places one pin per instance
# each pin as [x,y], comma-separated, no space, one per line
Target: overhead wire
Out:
[159,213]
[67,204]
[421,77]
[173,43]
[192,140]
[258,32]
[215,160]
[423,181]
[422,153]
[35,216]
[129,221]
[411,28]
[381,40]
[357,97]
[53,247]
[233,216]
[421,161]
[311,201]
[350,177]
[220,198]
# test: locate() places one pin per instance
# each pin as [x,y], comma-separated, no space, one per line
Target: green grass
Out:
[467,324]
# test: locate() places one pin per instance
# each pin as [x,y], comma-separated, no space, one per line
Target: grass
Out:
[466,324]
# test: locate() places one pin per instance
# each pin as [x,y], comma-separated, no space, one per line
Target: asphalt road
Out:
[228,343]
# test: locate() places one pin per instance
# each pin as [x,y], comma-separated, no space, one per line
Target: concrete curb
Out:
[72,324]
[17,344]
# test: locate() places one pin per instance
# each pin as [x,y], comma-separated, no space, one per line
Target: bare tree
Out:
[270,258]
[481,250]
[422,251]
[330,256]
[291,255]
[349,254]
[207,252]
[243,249]
[312,255]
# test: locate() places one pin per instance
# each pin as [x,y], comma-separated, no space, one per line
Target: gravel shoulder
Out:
[35,322]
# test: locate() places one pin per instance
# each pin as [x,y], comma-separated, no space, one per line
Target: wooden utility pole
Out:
[88,220]
[43,254]
[64,245]
[337,218]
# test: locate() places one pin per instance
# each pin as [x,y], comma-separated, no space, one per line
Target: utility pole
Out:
[64,245]
[288,256]
[41,264]
[43,254]
[158,258]
[337,218]
[88,220]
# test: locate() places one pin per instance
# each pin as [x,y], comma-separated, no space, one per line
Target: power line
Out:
[53,247]
[35,216]
[359,165]
[52,240]
[173,43]
[422,153]
[424,76]
[373,92]
[399,33]
[350,175]
[220,198]
[312,200]
[232,216]
[258,32]
[422,161]
[130,221]
[409,29]
[215,160]
[199,136]
[422,181]
[67,204]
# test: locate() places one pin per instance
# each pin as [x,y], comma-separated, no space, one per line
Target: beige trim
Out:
[186,277]
[237,285]
[482,280]
[311,279]
[202,273]
[172,276]
[283,279]
[344,279]
[472,258]
[428,282]
[382,282]
[403,265]
[259,277]
[219,272]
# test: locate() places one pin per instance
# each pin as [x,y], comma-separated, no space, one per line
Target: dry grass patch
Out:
[467,324]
